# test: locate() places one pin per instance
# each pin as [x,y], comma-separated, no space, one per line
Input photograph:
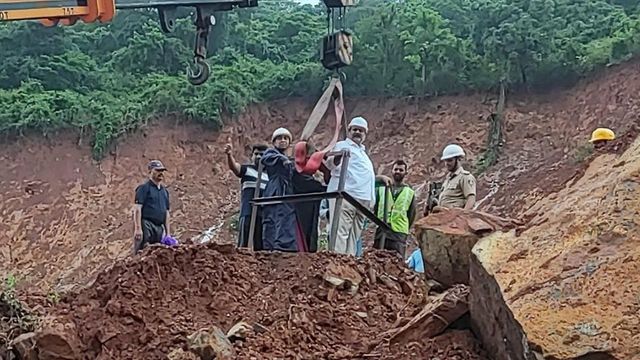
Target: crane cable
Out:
[307,159]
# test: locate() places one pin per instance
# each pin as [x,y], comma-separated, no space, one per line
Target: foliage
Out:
[15,319]
[582,153]
[109,79]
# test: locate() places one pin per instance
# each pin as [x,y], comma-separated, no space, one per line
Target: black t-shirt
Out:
[154,201]
[248,179]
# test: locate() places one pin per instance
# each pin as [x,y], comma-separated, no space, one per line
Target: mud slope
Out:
[66,217]
[147,308]
[570,279]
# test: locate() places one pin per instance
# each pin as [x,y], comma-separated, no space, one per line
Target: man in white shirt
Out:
[359,183]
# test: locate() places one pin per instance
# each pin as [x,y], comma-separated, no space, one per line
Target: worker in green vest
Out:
[401,210]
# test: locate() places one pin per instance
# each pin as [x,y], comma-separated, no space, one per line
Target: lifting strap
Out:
[309,165]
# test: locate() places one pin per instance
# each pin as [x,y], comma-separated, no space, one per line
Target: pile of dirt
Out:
[308,306]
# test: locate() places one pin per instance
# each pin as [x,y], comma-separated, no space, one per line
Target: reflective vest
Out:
[396,209]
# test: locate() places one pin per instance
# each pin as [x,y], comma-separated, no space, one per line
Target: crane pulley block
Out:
[339,3]
[337,50]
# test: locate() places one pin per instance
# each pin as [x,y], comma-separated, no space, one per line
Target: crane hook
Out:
[201,73]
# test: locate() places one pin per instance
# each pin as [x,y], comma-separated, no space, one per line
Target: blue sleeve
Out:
[273,157]
[141,194]
[168,203]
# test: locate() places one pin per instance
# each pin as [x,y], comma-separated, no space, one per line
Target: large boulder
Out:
[568,281]
[446,238]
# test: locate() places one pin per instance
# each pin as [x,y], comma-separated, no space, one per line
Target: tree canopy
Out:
[107,79]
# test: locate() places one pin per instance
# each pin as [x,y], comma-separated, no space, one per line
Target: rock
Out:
[491,318]
[239,331]
[446,238]
[179,354]
[407,286]
[342,276]
[390,283]
[259,328]
[566,280]
[211,344]
[57,340]
[362,315]
[436,316]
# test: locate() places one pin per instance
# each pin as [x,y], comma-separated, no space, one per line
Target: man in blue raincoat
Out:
[280,230]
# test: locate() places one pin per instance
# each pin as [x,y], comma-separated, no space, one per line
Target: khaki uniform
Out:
[456,188]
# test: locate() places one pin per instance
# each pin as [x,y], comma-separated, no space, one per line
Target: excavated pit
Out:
[299,306]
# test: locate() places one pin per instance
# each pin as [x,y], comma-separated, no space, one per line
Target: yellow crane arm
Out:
[336,46]
[68,12]
[51,12]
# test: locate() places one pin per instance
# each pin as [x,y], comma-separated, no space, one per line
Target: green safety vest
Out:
[396,210]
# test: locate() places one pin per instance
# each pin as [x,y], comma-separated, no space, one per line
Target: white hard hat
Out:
[279,132]
[359,121]
[451,151]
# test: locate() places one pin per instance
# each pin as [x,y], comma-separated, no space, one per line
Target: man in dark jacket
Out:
[151,213]
[280,229]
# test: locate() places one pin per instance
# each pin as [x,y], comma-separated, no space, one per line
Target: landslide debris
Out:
[269,305]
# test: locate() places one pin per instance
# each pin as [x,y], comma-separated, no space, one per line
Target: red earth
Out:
[67,218]
[146,307]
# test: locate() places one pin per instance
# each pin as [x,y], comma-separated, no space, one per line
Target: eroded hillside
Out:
[67,217]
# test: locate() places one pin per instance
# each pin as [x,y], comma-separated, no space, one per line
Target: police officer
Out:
[459,186]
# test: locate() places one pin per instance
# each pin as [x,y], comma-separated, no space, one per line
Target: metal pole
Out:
[385,216]
[254,207]
[338,206]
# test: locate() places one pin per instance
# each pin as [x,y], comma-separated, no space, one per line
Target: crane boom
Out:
[68,12]
[336,45]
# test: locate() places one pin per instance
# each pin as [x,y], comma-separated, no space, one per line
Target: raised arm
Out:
[234,166]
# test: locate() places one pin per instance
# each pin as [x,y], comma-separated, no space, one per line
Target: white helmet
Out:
[451,151]
[279,132]
[361,122]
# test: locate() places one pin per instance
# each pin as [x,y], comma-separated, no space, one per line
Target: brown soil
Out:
[68,217]
[145,308]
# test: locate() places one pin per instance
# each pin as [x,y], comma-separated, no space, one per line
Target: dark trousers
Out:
[394,241]
[244,225]
[151,234]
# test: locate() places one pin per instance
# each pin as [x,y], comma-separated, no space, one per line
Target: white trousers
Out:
[350,226]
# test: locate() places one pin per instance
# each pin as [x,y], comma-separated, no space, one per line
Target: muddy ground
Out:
[145,308]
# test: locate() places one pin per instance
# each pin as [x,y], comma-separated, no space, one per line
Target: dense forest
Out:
[107,79]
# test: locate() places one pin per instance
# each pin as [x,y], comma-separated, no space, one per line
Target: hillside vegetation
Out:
[105,80]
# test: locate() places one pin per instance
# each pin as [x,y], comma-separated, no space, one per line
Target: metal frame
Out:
[340,195]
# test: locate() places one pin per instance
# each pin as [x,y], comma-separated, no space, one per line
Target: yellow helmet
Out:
[602,134]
